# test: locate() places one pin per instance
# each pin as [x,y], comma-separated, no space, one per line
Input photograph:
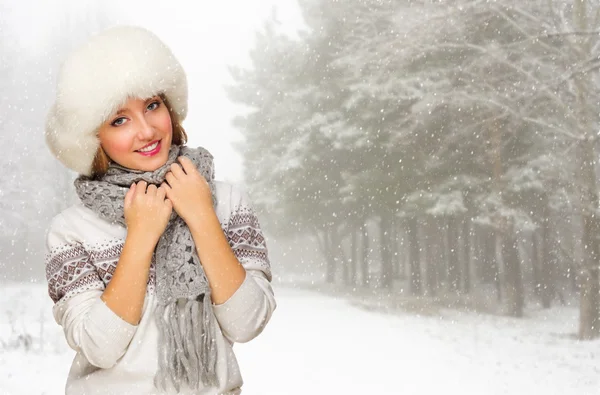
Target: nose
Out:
[145,131]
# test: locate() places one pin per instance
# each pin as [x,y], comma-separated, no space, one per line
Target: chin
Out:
[155,165]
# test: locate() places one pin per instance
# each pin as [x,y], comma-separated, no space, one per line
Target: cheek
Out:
[164,122]
[115,145]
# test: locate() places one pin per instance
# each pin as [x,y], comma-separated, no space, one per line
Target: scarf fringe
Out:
[187,345]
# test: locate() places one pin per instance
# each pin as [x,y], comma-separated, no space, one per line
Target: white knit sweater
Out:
[115,357]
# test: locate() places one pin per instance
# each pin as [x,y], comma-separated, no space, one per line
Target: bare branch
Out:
[518,115]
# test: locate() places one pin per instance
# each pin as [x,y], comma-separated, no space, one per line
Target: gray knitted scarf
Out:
[187,349]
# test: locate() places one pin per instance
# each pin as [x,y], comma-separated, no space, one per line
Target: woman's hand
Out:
[189,191]
[146,210]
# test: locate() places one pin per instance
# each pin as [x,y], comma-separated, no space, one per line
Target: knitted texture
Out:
[187,350]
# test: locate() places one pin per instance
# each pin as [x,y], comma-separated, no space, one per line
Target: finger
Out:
[188,165]
[141,187]
[129,195]
[165,186]
[161,192]
[177,170]
[151,189]
[170,178]
[168,203]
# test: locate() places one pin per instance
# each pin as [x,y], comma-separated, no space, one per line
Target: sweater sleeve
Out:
[90,326]
[246,313]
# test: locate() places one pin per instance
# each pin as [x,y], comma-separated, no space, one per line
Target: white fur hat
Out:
[98,78]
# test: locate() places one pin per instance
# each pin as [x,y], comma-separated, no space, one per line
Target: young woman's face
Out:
[139,135]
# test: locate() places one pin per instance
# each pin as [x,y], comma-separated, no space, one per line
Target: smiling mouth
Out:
[150,147]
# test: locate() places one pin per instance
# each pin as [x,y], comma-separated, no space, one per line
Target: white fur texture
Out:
[97,79]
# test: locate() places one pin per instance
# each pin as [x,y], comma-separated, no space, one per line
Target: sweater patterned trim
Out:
[72,269]
[247,241]
[69,272]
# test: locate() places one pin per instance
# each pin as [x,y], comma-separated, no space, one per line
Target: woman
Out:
[159,268]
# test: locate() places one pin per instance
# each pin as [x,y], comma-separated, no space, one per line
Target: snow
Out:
[318,344]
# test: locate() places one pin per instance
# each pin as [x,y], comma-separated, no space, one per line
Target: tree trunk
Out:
[477,254]
[401,253]
[466,267]
[353,264]
[431,262]
[365,255]
[513,282]
[345,268]
[394,253]
[387,269]
[496,264]
[415,264]
[535,265]
[330,271]
[453,265]
[443,251]
[324,242]
[497,188]
[487,260]
[546,266]
[330,245]
[589,321]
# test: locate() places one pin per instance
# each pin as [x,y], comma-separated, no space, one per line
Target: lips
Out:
[147,145]
[153,152]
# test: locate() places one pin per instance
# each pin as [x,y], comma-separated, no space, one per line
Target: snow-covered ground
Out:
[318,344]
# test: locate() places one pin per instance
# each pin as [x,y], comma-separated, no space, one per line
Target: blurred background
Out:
[425,172]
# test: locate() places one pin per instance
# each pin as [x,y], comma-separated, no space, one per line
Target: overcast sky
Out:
[205,36]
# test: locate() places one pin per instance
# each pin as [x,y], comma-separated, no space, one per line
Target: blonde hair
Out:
[101,160]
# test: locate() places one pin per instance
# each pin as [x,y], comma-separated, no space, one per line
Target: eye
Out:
[117,122]
[150,106]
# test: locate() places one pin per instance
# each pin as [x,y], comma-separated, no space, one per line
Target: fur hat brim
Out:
[98,78]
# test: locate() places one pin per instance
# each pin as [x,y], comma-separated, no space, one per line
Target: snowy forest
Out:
[409,156]
[444,149]
[34,186]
